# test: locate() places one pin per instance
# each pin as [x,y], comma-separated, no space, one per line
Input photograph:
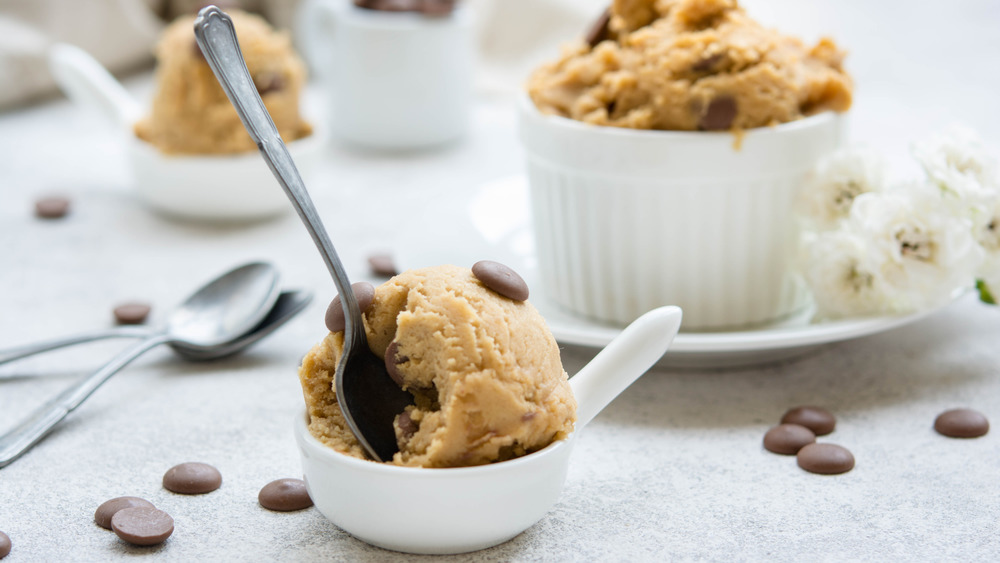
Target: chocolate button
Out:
[131,313]
[788,439]
[382,265]
[285,495]
[4,545]
[817,419]
[142,525]
[364,292]
[825,459]
[107,510]
[392,361]
[720,114]
[192,478]
[962,423]
[406,425]
[501,279]
[53,207]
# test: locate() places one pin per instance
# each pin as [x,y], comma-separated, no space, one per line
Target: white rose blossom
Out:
[837,266]
[836,181]
[958,162]
[923,254]
[986,230]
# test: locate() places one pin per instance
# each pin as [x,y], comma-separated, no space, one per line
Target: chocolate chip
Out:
[267,82]
[285,495]
[826,459]
[392,361]
[817,419]
[364,293]
[962,423]
[788,439]
[501,279]
[132,313]
[406,425]
[382,265]
[528,416]
[142,525]
[437,8]
[720,114]
[707,63]
[599,30]
[52,207]
[4,545]
[192,478]
[106,511]
[394,5]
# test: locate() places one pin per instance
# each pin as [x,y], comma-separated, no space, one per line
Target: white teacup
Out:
[394,80]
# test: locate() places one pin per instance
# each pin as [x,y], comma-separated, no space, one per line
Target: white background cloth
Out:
[673,469]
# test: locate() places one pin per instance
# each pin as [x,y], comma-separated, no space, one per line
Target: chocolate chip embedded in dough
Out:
[107,510]
[192,478]
[707,63]
[392,361]
[52,207]
[5,545]
[817,419]
[267,82]
[142,525]
[501,279]
[131,313]
[825,459]
[364,293]
[406,425]
[962,423]
[285,495]
[382,265]
[719,115]
[788,439]
[600,29]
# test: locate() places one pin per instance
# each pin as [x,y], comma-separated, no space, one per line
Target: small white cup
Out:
[395,80]
[626,220]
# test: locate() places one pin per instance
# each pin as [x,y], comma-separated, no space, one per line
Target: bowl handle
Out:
[88,83]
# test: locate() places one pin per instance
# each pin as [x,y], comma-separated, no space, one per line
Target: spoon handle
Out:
[33,428]
[217,38]
[12,354]
[623,361]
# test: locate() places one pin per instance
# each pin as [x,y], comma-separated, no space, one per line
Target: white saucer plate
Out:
[493,223]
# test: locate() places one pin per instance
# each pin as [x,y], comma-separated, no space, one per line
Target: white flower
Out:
[986,230]
[922,253]
[838,267]
[836,181]
[958,162]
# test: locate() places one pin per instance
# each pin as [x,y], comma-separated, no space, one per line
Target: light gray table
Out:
[672,469]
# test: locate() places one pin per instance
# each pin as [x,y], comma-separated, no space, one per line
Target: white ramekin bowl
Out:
[626,220]
[432,511]
[228,188]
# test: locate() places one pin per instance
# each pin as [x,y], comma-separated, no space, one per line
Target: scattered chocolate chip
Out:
[501,279]
[962,423]
[192,478]
[132,313]
[825,459]
[788,439]
[142,525]
[107,510]
[707,63]
[720,114]
[599,30]
[392,361]
[382,265]
[52,207]
[395,5]
[437,7]
[364,292]
[406,425]
[5,545]
[285,495]
[817,419]
[267,82]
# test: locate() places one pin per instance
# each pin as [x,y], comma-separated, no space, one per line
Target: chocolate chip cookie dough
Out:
[691,65]
[192,115]
[484,370]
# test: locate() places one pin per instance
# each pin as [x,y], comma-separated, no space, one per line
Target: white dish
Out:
[494,223]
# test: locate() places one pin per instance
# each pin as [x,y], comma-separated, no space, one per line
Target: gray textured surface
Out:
[672,469]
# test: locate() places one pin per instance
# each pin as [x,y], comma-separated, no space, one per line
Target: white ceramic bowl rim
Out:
[382,19]
[302,428]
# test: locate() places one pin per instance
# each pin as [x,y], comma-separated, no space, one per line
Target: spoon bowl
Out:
[470,508]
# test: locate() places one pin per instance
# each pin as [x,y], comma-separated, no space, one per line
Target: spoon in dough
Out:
[368,397]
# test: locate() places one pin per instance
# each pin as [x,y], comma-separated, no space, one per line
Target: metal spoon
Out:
[288,304]
[216,314]
[367,396]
